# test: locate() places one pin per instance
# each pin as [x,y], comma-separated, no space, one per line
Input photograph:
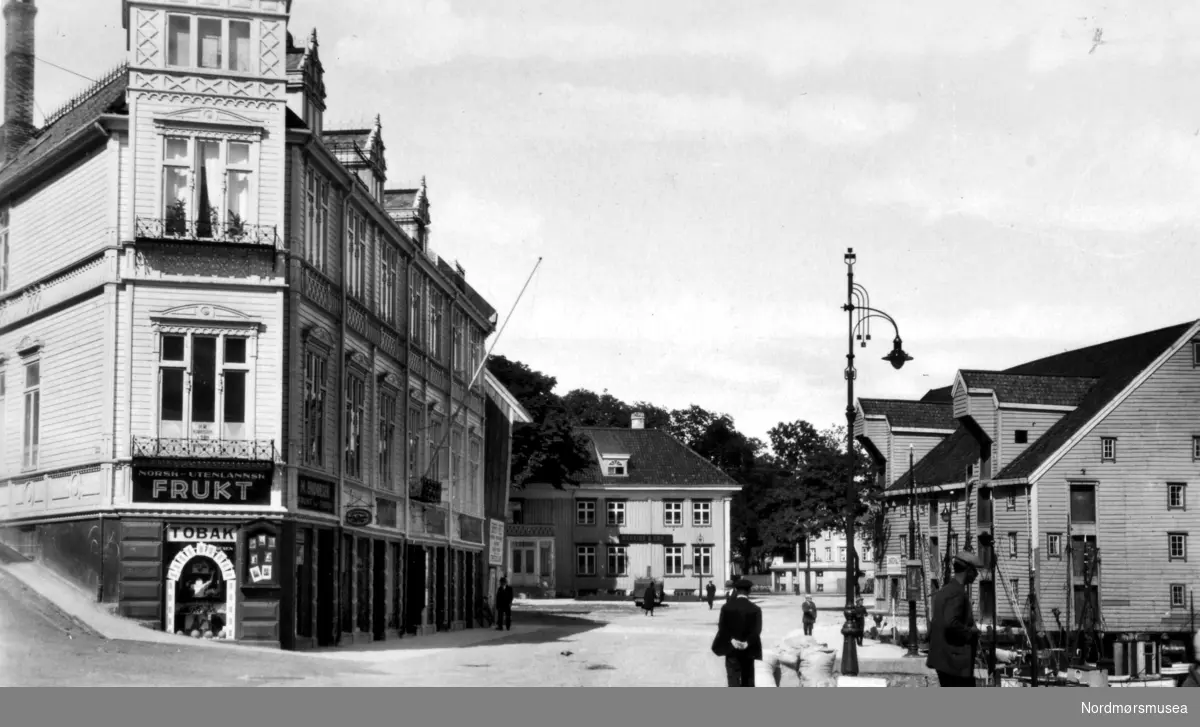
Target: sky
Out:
[1017,178]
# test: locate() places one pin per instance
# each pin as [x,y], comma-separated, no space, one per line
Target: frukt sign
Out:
[232,487]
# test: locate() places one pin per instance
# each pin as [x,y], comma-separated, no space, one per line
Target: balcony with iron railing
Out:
[257,450]
[231,232]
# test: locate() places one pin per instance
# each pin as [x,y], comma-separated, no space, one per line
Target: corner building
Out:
[237,391]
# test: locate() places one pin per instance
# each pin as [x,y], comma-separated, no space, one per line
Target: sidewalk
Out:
[94,616]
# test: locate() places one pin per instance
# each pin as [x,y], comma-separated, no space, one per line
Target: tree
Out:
[549,449]
[588,409]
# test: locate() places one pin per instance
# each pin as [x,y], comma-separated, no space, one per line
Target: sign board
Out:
[202,485]
[315,495]
[201,533]
[495,542]
[894,565]
[357,517]
[638,538]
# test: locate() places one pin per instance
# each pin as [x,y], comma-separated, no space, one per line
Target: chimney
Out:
[639,420]
[18,75]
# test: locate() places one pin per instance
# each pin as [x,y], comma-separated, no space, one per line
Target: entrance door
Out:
[414,600]
[523,556]
[396,621]
[471,598]
[439,588]
[304,583]
[326,579]
[346,595]
[379,598]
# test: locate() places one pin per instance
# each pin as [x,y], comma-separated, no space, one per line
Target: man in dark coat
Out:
[649,599]
[860,619]
[504,601]
[953,635]
[711,592]
[739,636]
[810,615]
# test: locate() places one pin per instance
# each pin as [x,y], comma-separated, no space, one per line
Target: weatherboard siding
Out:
[1035,422]
[1154,429]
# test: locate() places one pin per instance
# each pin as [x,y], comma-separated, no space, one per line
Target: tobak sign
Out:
[201,533]
[202,486]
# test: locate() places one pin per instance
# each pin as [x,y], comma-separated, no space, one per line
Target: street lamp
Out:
[859,314]
[914,566]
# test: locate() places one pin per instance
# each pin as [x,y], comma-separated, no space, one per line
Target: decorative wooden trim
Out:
[317,338]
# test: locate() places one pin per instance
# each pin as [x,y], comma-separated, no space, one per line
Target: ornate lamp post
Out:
[859,313]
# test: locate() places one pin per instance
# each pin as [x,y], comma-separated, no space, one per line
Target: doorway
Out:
[414,601]
[346,595]
[326,580]
[304,583]
[397,620]
[379,598]
[439,589]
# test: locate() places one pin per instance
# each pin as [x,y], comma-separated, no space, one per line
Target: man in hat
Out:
[739,635]
[809,610]
[953,635]
[504,602]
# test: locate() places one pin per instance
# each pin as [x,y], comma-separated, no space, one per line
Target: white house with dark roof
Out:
[1078,467]
[647,506]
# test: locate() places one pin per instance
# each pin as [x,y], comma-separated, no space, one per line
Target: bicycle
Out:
[484,614]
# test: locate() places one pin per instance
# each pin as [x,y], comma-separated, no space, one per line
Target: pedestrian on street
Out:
[711,591]
[860,620]
[649,598]
[739,636]
[953,635]
[504,601]
[810,615]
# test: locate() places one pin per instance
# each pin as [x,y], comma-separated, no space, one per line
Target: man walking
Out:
[860,620]
[711,592]
[739,636]
[810,615]
[953,635]
[504,601]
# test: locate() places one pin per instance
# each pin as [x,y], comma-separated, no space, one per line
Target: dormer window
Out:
[615,468]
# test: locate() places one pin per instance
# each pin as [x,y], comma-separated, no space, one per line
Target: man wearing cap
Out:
[739,635]
[953,635]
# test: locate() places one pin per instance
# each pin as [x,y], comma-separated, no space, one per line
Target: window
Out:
[585,560]
[355,412]
[456,453]
[618,560]
[820,588]
[203,386]
[903,546]
[389,268]
[436,447]
[1083,503]
[387,435]
[866,553]
[1195,440]
[702,560]
[616,512]
[841,554]
[672,513]
[314,408]
[1196,353]
[812,553]
[585,512]
[1178,599]
[1176,496]
[701,513]
[31,434]
[459,333]
[220,44]
[1021,436]
[674,555]
[436,306]
[828,535]
[1012,545]
[1014,585]
[829,554]
[1108,449]
[1010,502]
[356,254]
[416,309]
[414,445]
[316,220]
[1177,546]
[474,461]
[3,250]
[615,468]
[1054,545]
[476,348]
[206,187]
[3,414]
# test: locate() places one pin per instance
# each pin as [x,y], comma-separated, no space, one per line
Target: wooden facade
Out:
[217,324]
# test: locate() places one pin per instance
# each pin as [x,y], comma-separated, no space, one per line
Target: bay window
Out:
[207,183]
[220,44]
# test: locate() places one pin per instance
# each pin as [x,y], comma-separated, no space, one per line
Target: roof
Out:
[655,458]
[1030,388]
[911,414]
[1115,364]
[1109,367]
[103,97]
[505,399]
[944,394]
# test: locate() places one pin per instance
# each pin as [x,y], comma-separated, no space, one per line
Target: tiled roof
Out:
[944,464]
[655,458]
[106,96]
[468,292]
[1109,366]
[913,414]
[944,394]
[1115,364]
[1030,388]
